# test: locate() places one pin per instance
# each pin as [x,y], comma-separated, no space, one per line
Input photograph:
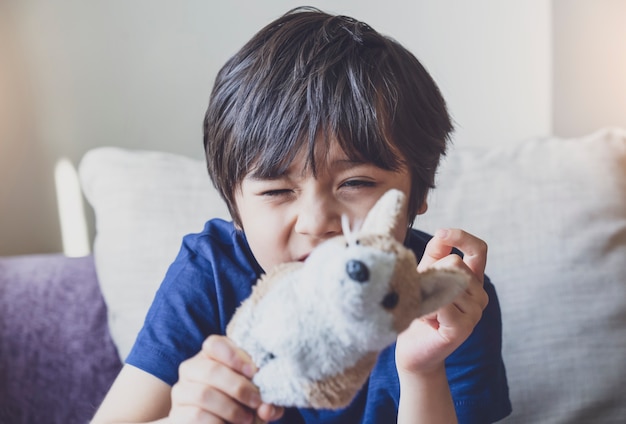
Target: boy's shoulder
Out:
[214,230]
[219,244]
[216,236]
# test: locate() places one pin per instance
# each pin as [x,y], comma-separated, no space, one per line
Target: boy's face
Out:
[285,218]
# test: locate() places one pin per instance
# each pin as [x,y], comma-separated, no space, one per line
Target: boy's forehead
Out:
[329,157]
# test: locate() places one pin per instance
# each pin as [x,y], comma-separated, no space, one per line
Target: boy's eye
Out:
[358,183]
[278,192]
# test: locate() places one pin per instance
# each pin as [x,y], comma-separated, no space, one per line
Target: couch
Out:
[552,210]
[57,355]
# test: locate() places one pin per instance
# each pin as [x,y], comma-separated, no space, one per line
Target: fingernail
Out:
[255,400]
[249,370]
[216,347]
[442,233]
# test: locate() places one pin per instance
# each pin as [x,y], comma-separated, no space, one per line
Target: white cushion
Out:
[144,203]
[553,212]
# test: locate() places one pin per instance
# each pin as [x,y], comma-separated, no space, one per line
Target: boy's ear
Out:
[423,208]
[439,287]
[385,215]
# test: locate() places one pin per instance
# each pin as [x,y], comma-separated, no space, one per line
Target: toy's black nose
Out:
[357,271]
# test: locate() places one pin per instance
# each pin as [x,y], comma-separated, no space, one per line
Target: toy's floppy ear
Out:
[385,215]
[439,287]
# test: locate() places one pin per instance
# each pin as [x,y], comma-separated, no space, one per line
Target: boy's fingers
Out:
[195,396]
[269,412]
[474,249]
[213,377]
[436,249]
[223,350]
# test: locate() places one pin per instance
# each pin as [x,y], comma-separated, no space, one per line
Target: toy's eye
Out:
[266,358]
[390,301]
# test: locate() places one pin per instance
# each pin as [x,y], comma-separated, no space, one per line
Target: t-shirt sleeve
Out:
[183,313]
[476,371]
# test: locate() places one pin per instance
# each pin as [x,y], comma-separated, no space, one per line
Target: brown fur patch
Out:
[338,391]
[404,281]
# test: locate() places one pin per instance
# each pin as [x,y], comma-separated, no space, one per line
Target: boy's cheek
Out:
[264,242]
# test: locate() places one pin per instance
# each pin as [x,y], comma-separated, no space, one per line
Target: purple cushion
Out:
[57,359]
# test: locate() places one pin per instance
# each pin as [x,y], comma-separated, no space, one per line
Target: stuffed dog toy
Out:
[315,328]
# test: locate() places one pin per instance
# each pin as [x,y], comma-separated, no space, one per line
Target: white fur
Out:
[315,322]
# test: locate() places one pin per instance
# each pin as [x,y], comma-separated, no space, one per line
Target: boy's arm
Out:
[423,347]
[136,396]
[426,398]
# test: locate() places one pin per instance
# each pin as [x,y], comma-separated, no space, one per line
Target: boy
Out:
[315,117]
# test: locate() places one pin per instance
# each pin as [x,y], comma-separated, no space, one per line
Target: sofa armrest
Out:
[57,356]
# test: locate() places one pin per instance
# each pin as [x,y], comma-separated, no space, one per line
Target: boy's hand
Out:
[429,340]
[215,387]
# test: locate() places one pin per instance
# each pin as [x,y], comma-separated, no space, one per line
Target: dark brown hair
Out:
[309,77]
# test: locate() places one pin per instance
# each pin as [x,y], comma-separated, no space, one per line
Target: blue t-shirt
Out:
[215,271]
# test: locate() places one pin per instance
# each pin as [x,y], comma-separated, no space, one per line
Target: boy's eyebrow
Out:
[347,163]
[255,177]
[338,165]
[335,165]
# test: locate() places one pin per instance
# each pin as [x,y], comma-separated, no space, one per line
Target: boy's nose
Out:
[318,218]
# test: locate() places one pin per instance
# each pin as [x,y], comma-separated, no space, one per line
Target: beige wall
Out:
[589,65]
[28,213]
[138,73]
